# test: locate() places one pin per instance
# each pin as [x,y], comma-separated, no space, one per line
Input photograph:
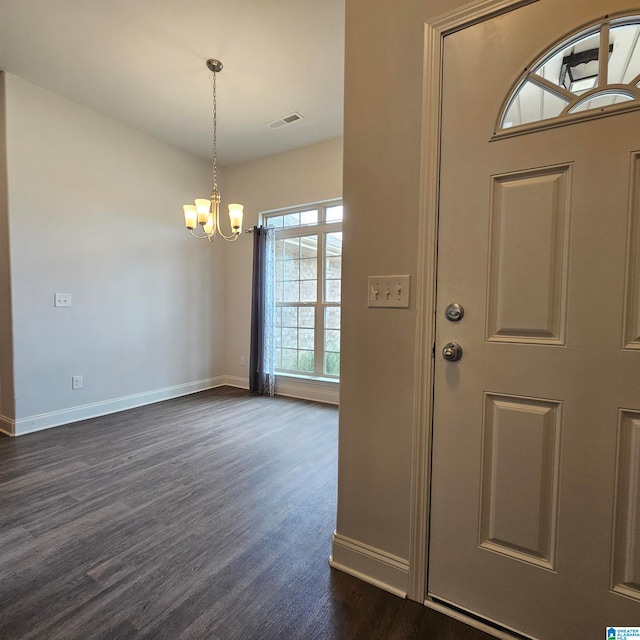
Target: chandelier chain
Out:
[215,134]
[205,212]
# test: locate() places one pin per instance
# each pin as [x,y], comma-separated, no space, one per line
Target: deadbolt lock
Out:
[454,312]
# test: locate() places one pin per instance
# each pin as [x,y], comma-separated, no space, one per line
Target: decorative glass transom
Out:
[596,69]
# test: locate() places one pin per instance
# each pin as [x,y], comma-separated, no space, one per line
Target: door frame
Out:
[434,33]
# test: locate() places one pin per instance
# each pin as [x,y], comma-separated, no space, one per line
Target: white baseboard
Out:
[42,421]
[235,381]
[7,426]
[296,387]
[305,389]
[308,389]
[369,564]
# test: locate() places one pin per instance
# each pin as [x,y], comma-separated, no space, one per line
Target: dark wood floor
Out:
[205,517]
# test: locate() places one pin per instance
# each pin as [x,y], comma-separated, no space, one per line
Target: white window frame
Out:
[319,229]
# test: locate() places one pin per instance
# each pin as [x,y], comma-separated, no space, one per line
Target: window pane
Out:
[308,290]
[291,270]
[600,100]
[289,316]
[291,291]
[332,291]
[309,217]
[624,61]
[532,104]
[306,317]
[291,249]
[309,246]
[332,340]
[333,214]
[292,220]
[290,359]
[278,358]
[275,221]
[333,244]
[333,251]
[309,268]
[306,339]
[556,70]
[297,276]
[334,267]
[289,338]
[305,361]
[332,318]
[332,364]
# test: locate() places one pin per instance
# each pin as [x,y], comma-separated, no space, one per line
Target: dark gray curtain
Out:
[257,374]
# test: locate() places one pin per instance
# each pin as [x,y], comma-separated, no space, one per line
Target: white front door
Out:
[535,508]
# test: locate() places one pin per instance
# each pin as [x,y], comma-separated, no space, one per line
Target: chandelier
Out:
[205,212]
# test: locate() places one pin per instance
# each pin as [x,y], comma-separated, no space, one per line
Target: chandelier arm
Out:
[231,238]
[234,235]
[206,236]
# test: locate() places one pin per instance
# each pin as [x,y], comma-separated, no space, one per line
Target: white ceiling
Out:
[143,62]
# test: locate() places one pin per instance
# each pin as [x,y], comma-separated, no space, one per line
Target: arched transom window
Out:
[591,73]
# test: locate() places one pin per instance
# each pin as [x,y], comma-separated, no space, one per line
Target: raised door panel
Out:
[626,549]
[520,471]
[529,256]
[632,314]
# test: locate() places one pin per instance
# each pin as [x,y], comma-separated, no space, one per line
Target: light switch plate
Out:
[389,291]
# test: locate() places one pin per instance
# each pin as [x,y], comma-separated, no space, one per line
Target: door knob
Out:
[452,351]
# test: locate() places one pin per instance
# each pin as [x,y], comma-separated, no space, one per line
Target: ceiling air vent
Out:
[281,122]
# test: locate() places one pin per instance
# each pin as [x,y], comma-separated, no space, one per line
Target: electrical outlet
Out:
[76,382]
[62,300]
[243,361]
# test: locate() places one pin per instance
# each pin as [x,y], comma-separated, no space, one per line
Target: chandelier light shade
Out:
[205,212]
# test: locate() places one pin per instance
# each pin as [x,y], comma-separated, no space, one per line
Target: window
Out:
[596,70]
[308,257]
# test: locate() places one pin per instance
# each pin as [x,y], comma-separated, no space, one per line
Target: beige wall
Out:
[288,179]
[382,179]
[6,354]
[94,210]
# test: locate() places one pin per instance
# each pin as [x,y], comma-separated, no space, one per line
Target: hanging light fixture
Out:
[206,212]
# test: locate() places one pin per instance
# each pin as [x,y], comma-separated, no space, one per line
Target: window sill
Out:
[302,376]
[318,389]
